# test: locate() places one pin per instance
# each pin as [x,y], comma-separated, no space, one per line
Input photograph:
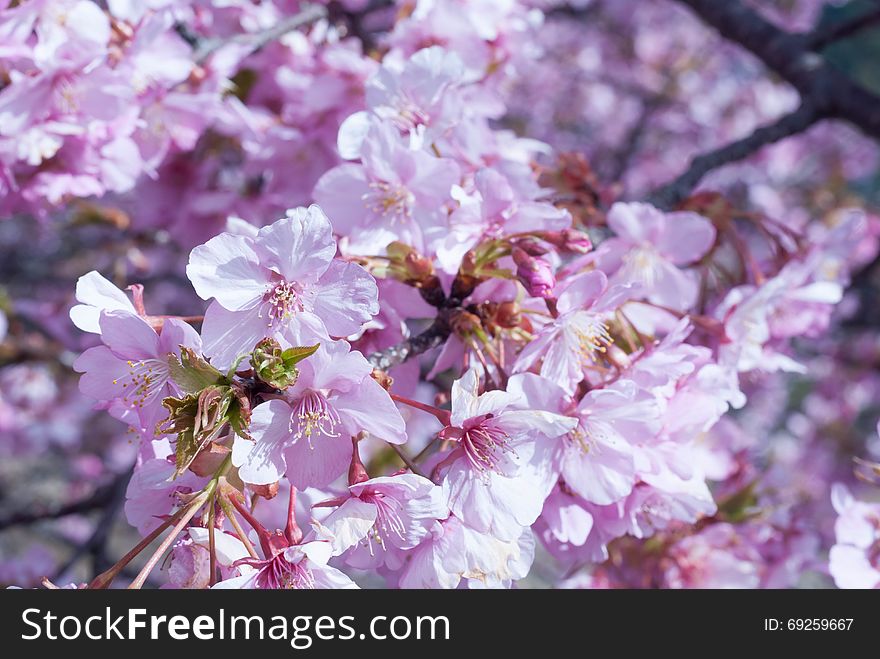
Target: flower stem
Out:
[104,579]
[407,461]
[212,547]
[239,531]
[442,415]
[190,512]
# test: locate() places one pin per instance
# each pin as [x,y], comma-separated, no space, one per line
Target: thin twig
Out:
[191,510]
[256,40]
[622,159]
[98,499]
[669,195]
[412,466]
[96,545]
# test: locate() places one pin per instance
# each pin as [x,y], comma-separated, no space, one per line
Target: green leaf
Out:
[187,450]
[293,356]
[200,418]
[191,372]
[230,374]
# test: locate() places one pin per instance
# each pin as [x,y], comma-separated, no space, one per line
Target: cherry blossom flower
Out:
[398,193]
[410,95]
[454,552]
[130,373]
[855,556]
[284,283]
[649,249]
[380,516]
[96,294]
[714,558]
[152,495]
[290,561]
[488,482]
[579,335]
[307,434]
[783,306]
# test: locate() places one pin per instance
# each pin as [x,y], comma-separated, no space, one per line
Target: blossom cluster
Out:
[579,395]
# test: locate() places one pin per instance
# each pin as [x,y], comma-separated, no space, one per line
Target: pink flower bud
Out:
[535,274]
[570,240]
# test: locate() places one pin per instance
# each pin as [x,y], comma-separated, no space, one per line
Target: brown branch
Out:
[96,545]
[432,337]
[100,498]
[671,194]
[825,91]
[622,159]
[354,21]
[334,11]
[830,92]
[566,10]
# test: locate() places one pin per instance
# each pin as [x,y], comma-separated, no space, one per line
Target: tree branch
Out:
[256,40]
[825,92]
[830,92]
[354,20]
[821,38]
[432,337]
[96,545]
[669,195]
[100,498]
[622,159]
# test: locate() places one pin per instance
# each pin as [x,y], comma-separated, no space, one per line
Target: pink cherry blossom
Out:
[651,247]
[398,193]
[307,434]
[382,515]
[715,558]
[579,335]
[284,283]
[96,294]
[855,557]
[529,304]
[454,552]
[130,373]
[489,483]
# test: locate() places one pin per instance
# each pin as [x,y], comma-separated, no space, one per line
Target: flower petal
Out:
[262,461]
[228,269]
[300,245]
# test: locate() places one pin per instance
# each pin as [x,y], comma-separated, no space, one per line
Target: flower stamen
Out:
[312,414]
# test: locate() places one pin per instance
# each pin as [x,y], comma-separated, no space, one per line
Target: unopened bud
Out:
[277,367]
[269,491]
[407,265]
[357,472]
[534,273]
[382,378]
[531,246]
[464,323]
[208,461]
[570,240]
